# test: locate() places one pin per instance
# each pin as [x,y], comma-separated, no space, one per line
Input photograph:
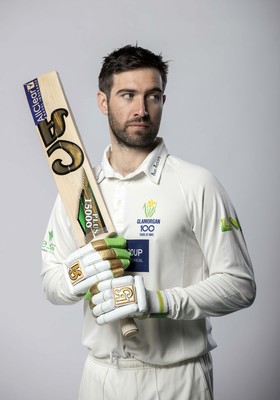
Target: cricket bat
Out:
[70,165]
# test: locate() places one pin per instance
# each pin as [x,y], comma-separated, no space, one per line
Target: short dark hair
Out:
[129,58]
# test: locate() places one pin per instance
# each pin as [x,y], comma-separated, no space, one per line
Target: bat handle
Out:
[129,328]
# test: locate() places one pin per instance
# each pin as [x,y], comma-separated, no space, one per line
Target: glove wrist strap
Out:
[158,304]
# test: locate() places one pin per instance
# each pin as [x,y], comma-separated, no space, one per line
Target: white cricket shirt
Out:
[185,238]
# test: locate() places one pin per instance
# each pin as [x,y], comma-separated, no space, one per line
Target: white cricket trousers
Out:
[129,379]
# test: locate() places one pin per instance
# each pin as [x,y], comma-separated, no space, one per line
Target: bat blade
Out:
[67,158]
[69,163]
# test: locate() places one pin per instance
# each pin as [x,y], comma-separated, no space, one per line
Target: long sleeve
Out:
[58,243]
[229,279]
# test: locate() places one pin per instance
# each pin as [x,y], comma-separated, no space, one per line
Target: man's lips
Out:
[139,125]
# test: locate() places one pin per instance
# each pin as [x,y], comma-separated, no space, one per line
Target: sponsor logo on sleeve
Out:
[228,224]
[48,243]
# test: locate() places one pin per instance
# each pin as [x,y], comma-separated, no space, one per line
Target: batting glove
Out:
[125,297]
[101,259]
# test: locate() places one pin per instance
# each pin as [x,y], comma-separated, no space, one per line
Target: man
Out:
[188,256]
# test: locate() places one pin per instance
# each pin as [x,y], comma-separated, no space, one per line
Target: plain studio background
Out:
[222,112]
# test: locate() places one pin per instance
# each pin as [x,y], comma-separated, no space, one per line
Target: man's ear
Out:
[102,102]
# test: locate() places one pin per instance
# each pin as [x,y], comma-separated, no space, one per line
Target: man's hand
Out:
[99,260]
[124,297]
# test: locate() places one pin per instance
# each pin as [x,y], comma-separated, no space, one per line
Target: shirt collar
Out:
[152,166]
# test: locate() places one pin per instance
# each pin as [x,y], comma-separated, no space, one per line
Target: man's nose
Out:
[141,109]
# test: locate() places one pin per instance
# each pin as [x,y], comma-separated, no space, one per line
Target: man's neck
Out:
[126,160]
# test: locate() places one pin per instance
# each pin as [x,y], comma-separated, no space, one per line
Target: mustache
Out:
[138,120]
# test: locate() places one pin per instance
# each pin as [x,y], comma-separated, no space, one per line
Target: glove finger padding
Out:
[117,314]
[119,298]
[99,260]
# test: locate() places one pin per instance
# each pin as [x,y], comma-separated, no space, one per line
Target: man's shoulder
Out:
[190,172]
[194,180]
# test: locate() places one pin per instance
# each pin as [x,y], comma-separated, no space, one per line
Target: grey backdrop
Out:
[222,112]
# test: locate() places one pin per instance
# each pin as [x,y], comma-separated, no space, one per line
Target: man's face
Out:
[135,107]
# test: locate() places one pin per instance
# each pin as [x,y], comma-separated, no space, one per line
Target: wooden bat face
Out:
[67,158]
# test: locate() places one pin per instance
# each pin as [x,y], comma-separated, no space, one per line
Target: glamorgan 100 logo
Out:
[148,225]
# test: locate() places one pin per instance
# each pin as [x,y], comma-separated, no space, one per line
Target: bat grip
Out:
[129,328]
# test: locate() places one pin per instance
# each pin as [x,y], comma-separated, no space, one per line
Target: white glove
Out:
[126,297]
[99,260]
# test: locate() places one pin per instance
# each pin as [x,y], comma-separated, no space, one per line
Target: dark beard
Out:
[138,140]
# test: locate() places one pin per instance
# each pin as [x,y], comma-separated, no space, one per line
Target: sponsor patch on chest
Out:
[139,249]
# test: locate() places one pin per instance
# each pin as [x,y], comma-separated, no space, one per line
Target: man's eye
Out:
[155,97]
[127,96]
